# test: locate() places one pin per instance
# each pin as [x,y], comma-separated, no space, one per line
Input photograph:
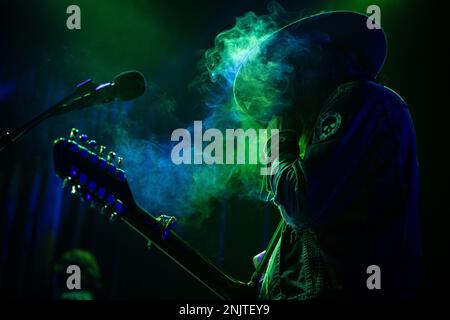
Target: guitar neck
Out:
[187,257]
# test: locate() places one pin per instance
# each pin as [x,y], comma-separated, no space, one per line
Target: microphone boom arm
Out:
[59,108]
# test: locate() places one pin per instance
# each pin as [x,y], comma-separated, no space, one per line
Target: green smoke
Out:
[245,80]
[182,190]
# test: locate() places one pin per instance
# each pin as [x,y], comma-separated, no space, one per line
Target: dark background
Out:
[41,61]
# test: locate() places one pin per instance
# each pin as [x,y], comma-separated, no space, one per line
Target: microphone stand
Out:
[59,108]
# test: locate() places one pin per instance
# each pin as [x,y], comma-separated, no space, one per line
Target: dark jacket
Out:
[350,203]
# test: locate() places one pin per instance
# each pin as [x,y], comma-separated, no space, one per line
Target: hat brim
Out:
[347,30]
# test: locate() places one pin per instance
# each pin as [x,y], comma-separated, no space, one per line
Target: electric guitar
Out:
[98,179]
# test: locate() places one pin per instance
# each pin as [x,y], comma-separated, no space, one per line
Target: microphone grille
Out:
[129,85]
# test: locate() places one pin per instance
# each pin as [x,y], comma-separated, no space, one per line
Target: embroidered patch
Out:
[328,125]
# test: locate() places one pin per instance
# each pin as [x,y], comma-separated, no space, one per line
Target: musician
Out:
[347,181]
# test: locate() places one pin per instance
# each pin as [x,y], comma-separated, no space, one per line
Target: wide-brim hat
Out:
[347,31]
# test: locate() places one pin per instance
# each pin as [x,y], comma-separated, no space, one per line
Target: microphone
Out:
[125,86]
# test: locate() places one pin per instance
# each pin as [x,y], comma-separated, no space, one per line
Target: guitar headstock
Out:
[93,173]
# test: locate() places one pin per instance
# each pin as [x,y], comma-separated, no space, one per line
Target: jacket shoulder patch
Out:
[328,124]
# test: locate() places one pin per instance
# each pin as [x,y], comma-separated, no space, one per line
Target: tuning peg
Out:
[73,172]
[112,169]
[92,144]
[65,182]
[109,211]
[119,207]
[93,158]
[113,216]
[82,178]
[120,175]
[86,196]
[119,162]
[73,133]
[101,192]
[103,210]
[102,164]
[118,210]
[110,199]
[111,156]
[83,138]
[92,186]
[93,203]
[101,151]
